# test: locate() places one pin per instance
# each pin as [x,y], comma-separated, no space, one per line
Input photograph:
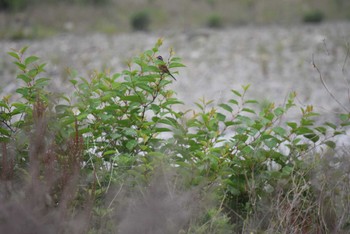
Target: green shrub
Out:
[91,2]
[111,134]
[214,21]
[13,5]
[313,16]
[140,21]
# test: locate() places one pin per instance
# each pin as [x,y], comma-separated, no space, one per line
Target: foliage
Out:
[140,21]
[12,5]
[313,16]
[117,130]
[16,5]
[214,21]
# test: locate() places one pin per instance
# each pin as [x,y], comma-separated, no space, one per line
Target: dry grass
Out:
[314,200]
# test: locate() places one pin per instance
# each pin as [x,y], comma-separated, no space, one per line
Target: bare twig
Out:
[115,196]
[325,46]
[343,68]
[326,87]
[346,57]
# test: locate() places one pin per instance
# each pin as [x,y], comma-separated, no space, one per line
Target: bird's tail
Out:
[172,76]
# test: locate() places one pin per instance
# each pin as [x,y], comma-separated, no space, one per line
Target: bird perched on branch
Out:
[163,68]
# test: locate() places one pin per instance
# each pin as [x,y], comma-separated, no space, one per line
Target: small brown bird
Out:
[163,68]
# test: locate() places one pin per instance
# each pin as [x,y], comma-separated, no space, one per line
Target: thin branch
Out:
[346,57]
[7,125]
[115,196]
[325,46]
[326,87]
[343,68]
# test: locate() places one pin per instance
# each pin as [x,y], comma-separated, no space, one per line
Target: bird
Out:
[163,68]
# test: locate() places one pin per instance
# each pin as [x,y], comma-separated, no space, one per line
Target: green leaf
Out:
[61,108]
[330,144]
[21,66]
[279,111]
[336,133]
[155,108]
[4,105]
[82,116]
[109,152]
[116,76]
[220,117]
[286,171]
[303,131]
[271,143]
[296,141]
[67,120]
[149,78]
[131,144]
[74,82]
[14,54]
[175,59]
[146,87]
[115,135]
[245,87]
[132,98]
[331,125]
[172,101]
[293,125]
[4,139]
[173,65]
[4,132]
[321,129]
[169,121]
[24,77]
[42,82]
[41,67]
[279,131]
[163,130]
[307,122]
[233,101]
[85,130]
[251,101]
[257,125]
[248,150]
[344,117]
[236,93]
[24,91]
[226,107]
[248,110]
[241,137]
[18,124]
[23,49]
[130,132]
[33,72]
[246,120]
[20,106]
[344,124]
[30,59]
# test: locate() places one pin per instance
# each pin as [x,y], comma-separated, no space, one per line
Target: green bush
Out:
[90,2]
[140,21]
[313,16]
[86,156]
[13,5]
[214,21]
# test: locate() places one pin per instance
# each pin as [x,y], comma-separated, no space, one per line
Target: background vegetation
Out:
[36,18]
[118,158]
[118,155]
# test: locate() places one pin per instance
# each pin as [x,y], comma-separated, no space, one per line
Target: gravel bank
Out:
[275,60]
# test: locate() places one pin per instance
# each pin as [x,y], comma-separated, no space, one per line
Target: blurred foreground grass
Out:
[38,18]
